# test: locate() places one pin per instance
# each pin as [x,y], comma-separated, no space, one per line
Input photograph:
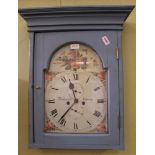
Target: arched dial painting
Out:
[76,91]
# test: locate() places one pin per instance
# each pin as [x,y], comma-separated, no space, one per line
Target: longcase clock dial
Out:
[76,93]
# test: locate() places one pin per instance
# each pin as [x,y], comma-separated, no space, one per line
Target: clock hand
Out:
[71,85]
[88,79]
[75,101]
[74,95]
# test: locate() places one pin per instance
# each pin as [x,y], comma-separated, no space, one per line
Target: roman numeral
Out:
[96,88]
[76,76]
[88,79]
[55,88]
[62,121]
[100,100]
[75,126]
[96,113]
[54,112]
[51,101]
[63,79]
[89,123]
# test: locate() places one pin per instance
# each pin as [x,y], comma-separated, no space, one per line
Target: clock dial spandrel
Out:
[76,91]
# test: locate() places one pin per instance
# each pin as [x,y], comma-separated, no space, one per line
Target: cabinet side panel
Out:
[38,89]
[31,101]
[113,90]
[121,100]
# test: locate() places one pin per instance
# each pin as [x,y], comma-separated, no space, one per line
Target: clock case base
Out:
[67,19]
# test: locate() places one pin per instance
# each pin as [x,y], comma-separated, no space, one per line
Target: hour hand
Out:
[71,85]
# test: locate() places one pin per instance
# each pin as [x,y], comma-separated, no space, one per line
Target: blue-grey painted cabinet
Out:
[75,77]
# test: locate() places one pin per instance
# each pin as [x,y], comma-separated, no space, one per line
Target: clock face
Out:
[76,92]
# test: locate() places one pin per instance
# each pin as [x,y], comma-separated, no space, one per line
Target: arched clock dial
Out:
[76,99]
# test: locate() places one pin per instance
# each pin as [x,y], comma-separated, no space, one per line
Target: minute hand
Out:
[71,86]
[67,110]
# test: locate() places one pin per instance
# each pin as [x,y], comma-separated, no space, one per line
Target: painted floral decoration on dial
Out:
[76,91]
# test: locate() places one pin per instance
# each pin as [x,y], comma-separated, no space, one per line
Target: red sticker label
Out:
[105,40]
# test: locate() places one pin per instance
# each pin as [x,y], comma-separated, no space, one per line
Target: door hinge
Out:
[117,52]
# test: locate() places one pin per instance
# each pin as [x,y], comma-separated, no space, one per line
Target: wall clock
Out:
[75,84]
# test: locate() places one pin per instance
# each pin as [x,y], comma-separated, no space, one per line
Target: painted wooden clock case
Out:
[75,77]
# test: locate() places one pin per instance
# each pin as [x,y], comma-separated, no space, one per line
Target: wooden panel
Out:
[31,94]
[121,89]
[104,18]
[105,15]
[129,79]
[46,43]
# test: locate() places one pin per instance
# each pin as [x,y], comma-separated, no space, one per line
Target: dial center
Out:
[77,90]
